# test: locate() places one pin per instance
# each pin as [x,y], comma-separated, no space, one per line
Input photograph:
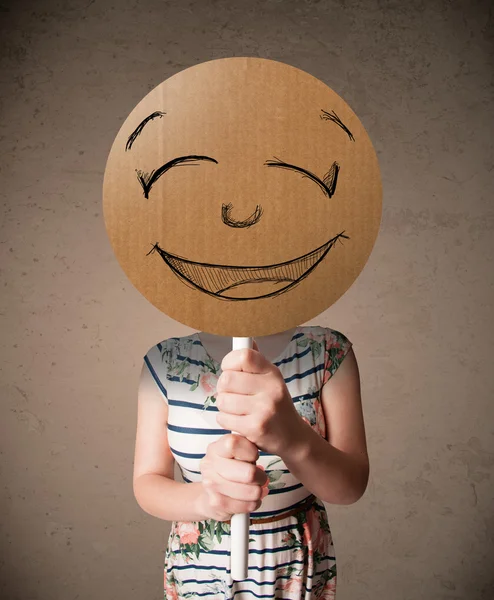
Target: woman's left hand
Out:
[253,400]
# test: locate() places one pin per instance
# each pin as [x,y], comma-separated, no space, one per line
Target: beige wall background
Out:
[74,330]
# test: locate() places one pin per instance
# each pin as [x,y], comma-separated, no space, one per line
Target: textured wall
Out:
[73,330]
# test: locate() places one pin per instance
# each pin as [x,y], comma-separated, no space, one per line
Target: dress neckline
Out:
[217,365]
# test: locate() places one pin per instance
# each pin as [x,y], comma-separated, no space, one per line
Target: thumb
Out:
[256,348]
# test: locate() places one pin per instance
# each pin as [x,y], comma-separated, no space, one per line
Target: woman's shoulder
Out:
[165,354]
[325,346]
[174,342]
[331,338]
[336,346]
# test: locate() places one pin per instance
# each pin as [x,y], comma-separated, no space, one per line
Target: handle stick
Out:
[239,553]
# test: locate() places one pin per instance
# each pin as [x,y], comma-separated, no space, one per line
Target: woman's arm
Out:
[168,499]
[336,470]
[155,489]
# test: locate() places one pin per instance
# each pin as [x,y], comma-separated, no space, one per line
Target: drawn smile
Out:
[228,282]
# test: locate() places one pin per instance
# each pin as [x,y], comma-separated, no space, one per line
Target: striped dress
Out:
[292,557]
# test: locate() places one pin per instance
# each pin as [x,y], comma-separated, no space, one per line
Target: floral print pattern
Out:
[197,553]
[189,538]
[174,356]
[310,541]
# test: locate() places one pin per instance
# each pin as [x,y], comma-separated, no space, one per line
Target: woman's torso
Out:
[187,374]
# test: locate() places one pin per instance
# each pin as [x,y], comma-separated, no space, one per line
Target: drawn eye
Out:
[328,183]
[147,179]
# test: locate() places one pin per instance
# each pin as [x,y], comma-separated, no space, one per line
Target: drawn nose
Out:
[226,210]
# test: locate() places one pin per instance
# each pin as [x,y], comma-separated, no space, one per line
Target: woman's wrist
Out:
[296,442]
[168,499]
[201,501]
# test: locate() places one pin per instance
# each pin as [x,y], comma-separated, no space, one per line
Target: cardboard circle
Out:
[242,196]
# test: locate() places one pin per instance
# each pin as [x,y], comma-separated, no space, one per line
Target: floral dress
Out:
[290,558]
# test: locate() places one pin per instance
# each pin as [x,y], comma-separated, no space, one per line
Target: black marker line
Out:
[214,279]
[328,185]
[140,127]
[331,178]
[226,210]
[147,179]
[332,116]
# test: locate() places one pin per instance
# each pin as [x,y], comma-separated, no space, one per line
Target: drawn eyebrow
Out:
[147,179]
[140,127]
[332,116]
[328,183]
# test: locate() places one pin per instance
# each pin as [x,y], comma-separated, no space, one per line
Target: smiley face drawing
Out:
[242,196]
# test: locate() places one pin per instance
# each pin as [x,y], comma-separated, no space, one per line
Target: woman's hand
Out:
[232,483]
[253,400]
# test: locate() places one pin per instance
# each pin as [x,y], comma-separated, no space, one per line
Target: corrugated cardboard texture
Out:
[242,196]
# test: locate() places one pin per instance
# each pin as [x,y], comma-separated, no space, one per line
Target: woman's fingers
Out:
[238,471]
[235,490]
[235,446]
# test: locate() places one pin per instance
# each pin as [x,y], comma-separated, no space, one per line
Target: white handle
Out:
[239,553]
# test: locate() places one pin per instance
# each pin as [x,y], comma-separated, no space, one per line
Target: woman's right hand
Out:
[231,481]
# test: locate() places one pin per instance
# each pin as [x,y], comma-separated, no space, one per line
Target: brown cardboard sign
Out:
[242,196]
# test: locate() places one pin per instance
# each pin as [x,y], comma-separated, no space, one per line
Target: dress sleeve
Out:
[153,361]
[337,347]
